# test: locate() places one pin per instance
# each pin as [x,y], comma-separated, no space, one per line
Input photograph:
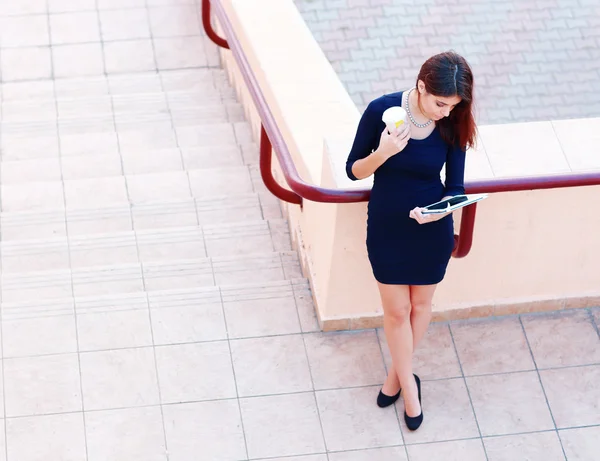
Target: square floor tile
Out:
[459,450]
[90,166]
[33,196]
[118,4]
[156,161]
[213,429]
[377,454]
[114,330]
[41,438]
[271,365]
[117,379]
[21,31]
[562,338]
[133,434]
[26,64]
[187,316]
[191,372]
[39,169]
[42,385]
[345,359]
[180,52]
[43,335]
[448,413]
[172,21]
[542,446]
[96,192]
[222,181]
[322,457]
[510,403]
[574,395]
[213,135]
[158,187]
[352,421]
[264,418]
[63,6]
[80,27]
[266,315]
[89,143]
[492,346]
[434,357]
[23,7]
[581,444]
[124,24]
[129,56]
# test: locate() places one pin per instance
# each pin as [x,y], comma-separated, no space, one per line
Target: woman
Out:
[409,251]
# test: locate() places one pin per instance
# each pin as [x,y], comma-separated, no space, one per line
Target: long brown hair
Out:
[448,74]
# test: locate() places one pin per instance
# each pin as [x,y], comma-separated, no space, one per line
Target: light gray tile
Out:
[377,454]
[42,385]
[95,193]
[211,428]
[124,24]
[117,379]
[345,359]
[186,316]
[158,187]
[76,27]
[134,434]
[264,418]
[78,60]
[129,56]
[192,372]
[33,196]
[352,421]
[40,438]
[542,446]
[40,335]
[271,365]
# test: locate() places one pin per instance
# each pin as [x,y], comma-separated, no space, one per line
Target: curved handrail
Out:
[272,140]
[208,28]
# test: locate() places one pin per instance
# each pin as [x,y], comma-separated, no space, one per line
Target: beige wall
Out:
[532,250]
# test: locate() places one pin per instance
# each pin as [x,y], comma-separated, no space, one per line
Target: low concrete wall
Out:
[532,251]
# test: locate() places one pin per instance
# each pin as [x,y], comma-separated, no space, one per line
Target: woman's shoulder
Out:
[378,105]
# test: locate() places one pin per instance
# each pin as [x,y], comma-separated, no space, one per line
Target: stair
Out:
[133,195]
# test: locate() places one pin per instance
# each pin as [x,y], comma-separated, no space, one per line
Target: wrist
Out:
[381,155]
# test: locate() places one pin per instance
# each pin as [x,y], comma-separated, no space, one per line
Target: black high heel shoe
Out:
[413,423]
[387,400]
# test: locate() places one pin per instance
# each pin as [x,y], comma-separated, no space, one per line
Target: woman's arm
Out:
[455,172]
[367,154]
[363,146]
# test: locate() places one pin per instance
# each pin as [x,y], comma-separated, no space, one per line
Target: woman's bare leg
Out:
[421,297]
[399,335]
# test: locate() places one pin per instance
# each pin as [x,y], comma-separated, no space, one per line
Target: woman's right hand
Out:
[392,143]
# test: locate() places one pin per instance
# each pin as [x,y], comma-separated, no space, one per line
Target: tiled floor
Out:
[526,55]
[151,308]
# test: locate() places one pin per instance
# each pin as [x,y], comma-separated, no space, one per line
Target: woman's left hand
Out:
[426,218]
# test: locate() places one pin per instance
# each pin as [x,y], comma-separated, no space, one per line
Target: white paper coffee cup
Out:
[394,117]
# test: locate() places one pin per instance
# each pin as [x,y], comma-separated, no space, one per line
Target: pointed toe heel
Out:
[386,400]
[413,423]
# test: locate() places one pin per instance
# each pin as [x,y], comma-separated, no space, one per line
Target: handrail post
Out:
[266,172]
[464,241]
[208,28]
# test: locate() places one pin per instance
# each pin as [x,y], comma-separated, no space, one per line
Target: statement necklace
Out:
[412,119]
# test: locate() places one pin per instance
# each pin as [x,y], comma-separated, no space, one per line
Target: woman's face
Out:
[436,107]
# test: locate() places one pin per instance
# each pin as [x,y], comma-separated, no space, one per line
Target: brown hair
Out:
[448,74]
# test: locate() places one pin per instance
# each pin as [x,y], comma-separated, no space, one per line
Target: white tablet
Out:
[453,203]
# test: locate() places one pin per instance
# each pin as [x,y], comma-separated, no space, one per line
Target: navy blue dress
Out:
[401,250]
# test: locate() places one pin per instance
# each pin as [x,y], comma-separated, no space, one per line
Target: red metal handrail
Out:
[272,139]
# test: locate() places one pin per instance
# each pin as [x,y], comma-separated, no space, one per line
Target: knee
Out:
[398,313]
[418,306]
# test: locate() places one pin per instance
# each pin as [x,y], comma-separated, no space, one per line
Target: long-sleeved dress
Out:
[401,250]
